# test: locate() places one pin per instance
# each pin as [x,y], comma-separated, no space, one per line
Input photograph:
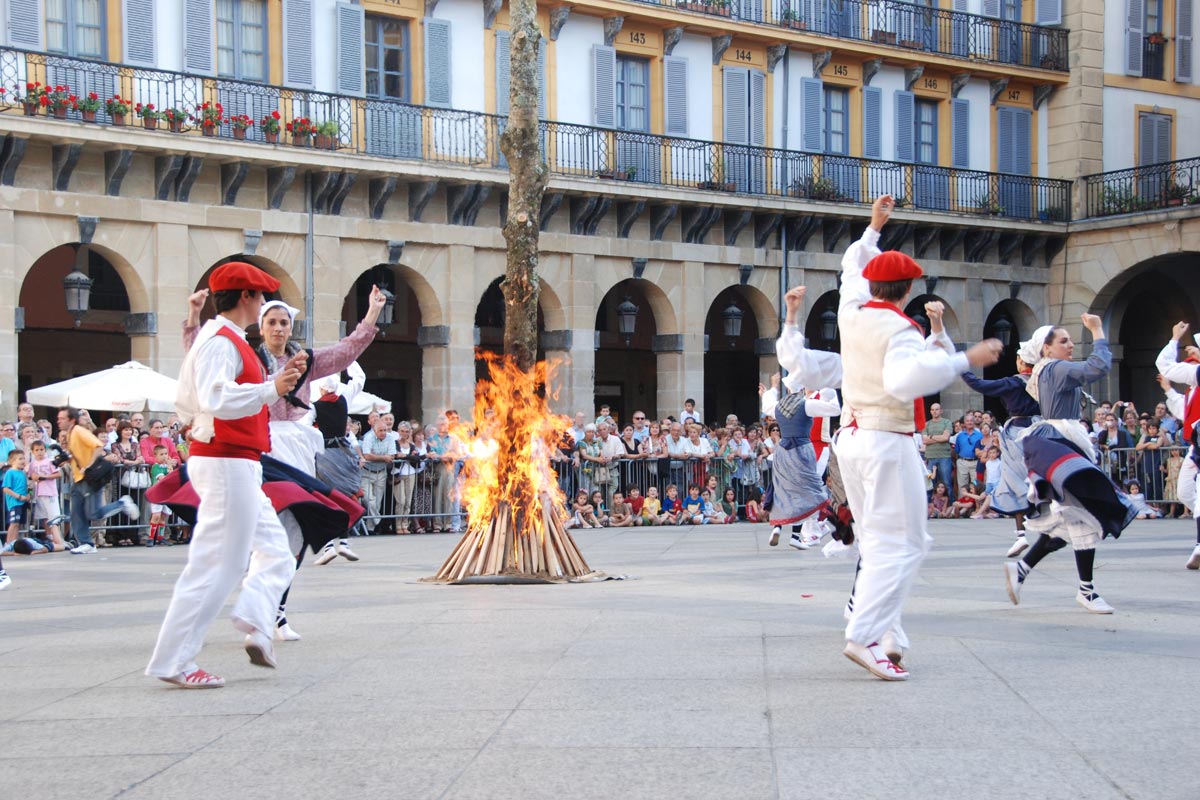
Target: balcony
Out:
[1126,191]
[402,132]
[1153,49]
[900,24]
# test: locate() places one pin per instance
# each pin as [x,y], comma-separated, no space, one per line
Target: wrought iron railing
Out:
[901,23]
[1154,49]
[392,129]
[1125,191]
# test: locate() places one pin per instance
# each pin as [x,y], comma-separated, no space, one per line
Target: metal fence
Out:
[1124,191]
[1155,471]
[397,130]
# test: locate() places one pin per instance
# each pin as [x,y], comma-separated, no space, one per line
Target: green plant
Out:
[58,98]
[989,206]
[174,116]
[1177,191]
[900,201]
[116,106]
[270,122]
[208,114]
[91,103]
[328,128]
[241,122]
[147,111]
[823,189]
[787,14]
[1053,213]
[34,92]
[300,127]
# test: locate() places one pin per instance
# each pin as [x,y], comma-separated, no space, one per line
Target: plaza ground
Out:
[716,673]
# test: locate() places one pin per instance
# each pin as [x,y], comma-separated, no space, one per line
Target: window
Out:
[386,53]
[242,39]
[837,121]
[925,132]
[1153,47]
[1154,138]
[633,96]
[1153,17]
[75,28]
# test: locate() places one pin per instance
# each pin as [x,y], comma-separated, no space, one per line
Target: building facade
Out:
[702,154]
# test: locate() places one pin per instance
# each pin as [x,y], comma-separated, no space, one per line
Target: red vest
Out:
[1191,414]
[919,403]
[246,437]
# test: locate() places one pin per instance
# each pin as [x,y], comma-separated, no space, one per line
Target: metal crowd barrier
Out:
[1155,471]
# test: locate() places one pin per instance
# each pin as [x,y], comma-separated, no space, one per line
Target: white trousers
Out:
[885,487]
[1186,487]
[235,526]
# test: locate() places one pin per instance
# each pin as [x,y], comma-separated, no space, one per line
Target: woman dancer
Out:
[799,488]
[1075,500]
[1011,497]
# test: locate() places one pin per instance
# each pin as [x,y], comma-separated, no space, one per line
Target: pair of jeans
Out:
[85,507]
[944,472]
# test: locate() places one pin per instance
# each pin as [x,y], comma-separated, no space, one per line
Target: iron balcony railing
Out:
[1125,191]
[392,129]
[901,23]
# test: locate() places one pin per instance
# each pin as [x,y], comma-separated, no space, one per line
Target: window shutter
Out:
[502,72]
[437,62]
[1183,41]
[1146,131]
[25,26]
[812,126]
[542,43]
[199,49]
[991,8]
[960,27]
[736,104]
[675,76]
[350,37]
[604,86]
[298,43]
[137,29]
[1004,139]
[872,122]
[960,110]
[1135,15]
[1022,141]
[758,108]
[1048,12]
[1162,139]
[906,109]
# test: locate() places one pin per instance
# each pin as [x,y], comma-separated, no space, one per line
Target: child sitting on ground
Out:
[651,507]
[621,515]
[712,514]
[672,507]
[585,513]
[754,509]
[1138,501]
[693,508]
[601,511]
[728,510]
[636,501]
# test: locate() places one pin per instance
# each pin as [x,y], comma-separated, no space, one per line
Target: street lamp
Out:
[828,325]
[731,318]
[1002,330]
[388,312]
[627,319]
[78,288]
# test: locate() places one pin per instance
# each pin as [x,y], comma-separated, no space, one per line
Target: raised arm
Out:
[1097,365]
[334,358]
[856,290]
[1168,363]
[805,367]
[823,404]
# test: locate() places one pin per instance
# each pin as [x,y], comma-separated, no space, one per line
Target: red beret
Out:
[892,265]
[240,275]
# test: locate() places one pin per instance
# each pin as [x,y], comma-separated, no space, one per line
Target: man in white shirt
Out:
[676,452]
[640,429]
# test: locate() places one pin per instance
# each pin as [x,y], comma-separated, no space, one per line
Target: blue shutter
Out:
[298,32]
[906,109]
[1004,139]
[960,124]
[1135,16]
[437,62]
[991,8]
[675,76]
[199,48]
[872,122]
[1048,12]
[1183,41]
[25,26]
[812,123]
[1146,154]
[137,30]
[350,37]
[604,86]
[503,82]
[736,105]
[1022,141]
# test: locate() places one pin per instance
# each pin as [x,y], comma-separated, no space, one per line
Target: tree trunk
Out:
[521,145]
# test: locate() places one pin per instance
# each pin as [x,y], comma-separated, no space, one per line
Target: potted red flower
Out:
[87,106]
[56,101]
[240,123]
[270,127]
[210,116]
[32,101]
[175,119]
[118,109]
[149,114]
[301,129]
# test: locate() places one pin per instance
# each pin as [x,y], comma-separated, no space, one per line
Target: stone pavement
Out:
[717,673]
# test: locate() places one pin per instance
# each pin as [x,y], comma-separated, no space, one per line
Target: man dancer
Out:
[223,394]
[887,369]
[1188,373]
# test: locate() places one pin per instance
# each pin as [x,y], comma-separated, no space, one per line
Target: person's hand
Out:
[1094,325]
[793,301]
[289,376]
[196,301]
[1178,330]
[881,211]
[985,353]
[761,389]
[935,309]
[1164,383]
[375,305]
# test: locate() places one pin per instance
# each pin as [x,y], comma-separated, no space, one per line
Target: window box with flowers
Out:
[301,129]
[270,127]
[175,119]
[326,136]
[57,101]
[209,117]
[118,109]
[87,106]
[32,101]
[149,114]
[240,123]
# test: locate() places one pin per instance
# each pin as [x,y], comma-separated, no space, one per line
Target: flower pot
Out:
[60,112]
[797,25]
[175,125]
[883,37]
[301,141]
[88,116]
[321,142]
[272,137]
[208,130]
[149,123]
[239,133]
[1175,201]
[31,109]
[118,119]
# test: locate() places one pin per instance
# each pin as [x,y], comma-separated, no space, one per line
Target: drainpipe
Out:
[308,262]
[783,242]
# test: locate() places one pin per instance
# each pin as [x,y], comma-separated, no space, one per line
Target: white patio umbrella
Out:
[126,387]
[361,405]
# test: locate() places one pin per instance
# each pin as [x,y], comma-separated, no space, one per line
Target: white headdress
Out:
[1031,350]
[270,304]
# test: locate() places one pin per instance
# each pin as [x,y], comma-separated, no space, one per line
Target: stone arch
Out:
[666,320]
[288,292]
[731,368]
[916,306]
[814,323]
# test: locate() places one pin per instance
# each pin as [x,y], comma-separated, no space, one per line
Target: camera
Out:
[59,456]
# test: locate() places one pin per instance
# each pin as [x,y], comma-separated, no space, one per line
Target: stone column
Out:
[1076,127]
[680,372]
[8,316]
[559,359]
[434,342]
[578,378]
[171,284]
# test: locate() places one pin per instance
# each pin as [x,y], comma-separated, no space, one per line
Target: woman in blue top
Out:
[1074,499]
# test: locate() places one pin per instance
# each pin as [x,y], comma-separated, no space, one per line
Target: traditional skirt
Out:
[798,489]
[337,465]
[1012,494]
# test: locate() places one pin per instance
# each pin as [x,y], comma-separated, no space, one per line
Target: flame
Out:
[509,446]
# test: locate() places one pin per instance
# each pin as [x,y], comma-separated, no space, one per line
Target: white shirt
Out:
[208,389]
[700,447]
[688,416]
[675,447]
[612,447]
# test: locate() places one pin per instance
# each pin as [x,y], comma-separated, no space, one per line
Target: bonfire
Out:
[516,511]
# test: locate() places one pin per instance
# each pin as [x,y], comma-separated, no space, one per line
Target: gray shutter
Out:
[906,109]
[199,47]
[298,34]
[960,129]
[991,8]
[437,62]
[1048,12]
[872,122]
[1146,130]
[1004,139]
[675,77]
[1135,15]
[1183,41]
[758,108]
[735,102]
[1022,141]
[604,86]
[350,36]
[1162,139]
[502,72]
[812,125]
[25,26]
[137,30]
[542,78]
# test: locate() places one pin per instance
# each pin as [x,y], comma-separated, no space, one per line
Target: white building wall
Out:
[1120,125]
[466,52]
[575,89]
